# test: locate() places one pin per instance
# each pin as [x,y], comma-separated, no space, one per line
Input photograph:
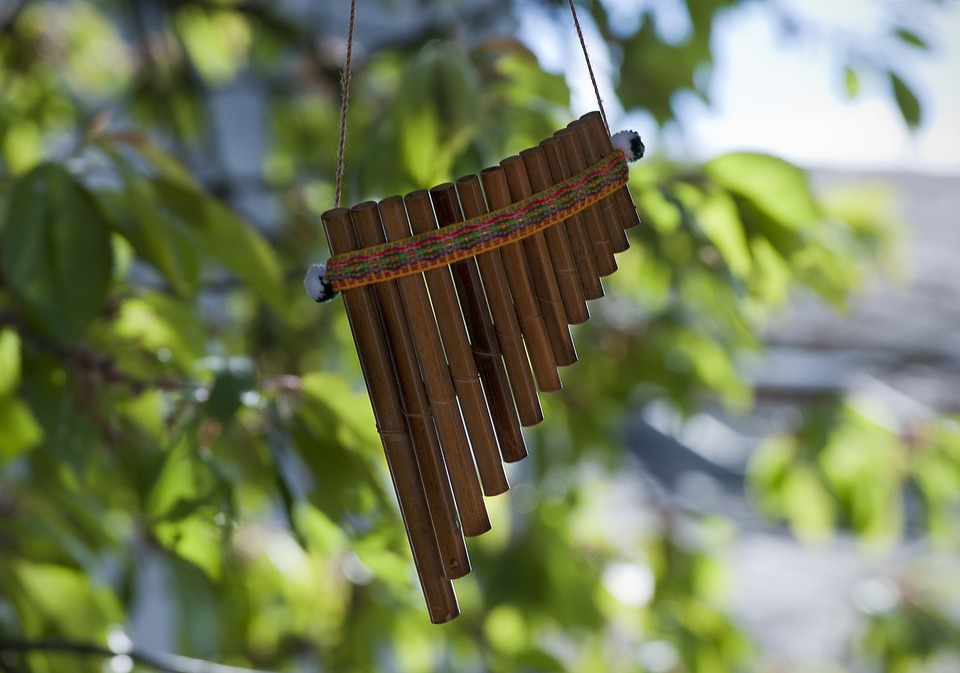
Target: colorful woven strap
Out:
[463,240]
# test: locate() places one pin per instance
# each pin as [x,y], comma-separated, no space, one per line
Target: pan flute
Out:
[460,300]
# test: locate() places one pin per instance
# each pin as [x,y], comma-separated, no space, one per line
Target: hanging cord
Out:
[586,56]
[344,105]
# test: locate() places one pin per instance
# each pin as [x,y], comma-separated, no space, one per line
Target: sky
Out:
[788,97]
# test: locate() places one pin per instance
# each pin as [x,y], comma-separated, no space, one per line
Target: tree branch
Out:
[169,663]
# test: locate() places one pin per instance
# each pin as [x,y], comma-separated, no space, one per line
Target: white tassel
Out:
[629,142]
[317,285]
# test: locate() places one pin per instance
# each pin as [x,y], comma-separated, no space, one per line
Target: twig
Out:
[170,663]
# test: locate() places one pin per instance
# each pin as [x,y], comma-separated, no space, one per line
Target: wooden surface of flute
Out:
[609,209]
[625,205]
[580,244]
[425,430]
[564,266]
[592,217]
[378,374]
[521,287]
[486,351]
[505,322]
[541,270]
[463,367]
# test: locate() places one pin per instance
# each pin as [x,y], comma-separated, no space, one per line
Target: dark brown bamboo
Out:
[580,244]
[504,322]
[378,373]
[608,206]
[564,267]
[592,217]
[417,406]
[463,368]
[525,301]
[486,353]
[541,270]
[625,205]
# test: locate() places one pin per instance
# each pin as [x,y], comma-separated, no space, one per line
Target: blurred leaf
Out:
[196,539]
[335,441]
[56,252]
[906,100]
[9,361]
[22,146]
[225,394]
[19,430]
[71,436]
[851,82]
[773,186]
[217,40]
[807,505]
[718,217]
[63,601]
[167,328]
[225,237]
[436,110]
[137,215]
[911,38]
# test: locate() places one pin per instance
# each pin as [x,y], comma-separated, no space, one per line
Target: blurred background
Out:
[754,466]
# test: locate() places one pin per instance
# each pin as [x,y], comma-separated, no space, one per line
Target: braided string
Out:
[463,240]
[586,57]
[345,105]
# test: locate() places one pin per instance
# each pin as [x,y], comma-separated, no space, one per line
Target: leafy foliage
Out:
[176,413]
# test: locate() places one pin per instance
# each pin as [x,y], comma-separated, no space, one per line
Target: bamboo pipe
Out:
[504,322]
[565,269]
[425,426]
[541,270]
[531,320]
[592,217]
[486,353]
[580,244]
[608,206]
[625,205]
[463,368]
[378,374]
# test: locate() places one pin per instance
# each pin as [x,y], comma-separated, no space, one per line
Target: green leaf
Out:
[225,237]
[808,505]
[911,38]
[196,539]
[162,324]
[19,430]
[56,252]
[64,601]
[906,100]
[225,395]
[9,361]
[851,82]
[773,186]
[137,215]
[720,221]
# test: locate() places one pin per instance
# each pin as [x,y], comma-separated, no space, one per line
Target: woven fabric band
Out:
[462,240]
